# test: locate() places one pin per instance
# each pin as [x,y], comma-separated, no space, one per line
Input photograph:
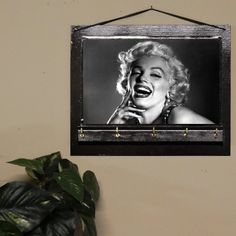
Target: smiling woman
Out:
[154,85]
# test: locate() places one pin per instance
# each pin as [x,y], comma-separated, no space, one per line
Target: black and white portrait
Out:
[151,81]
[165,86]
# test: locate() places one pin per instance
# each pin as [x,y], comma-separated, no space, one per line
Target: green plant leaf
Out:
[91,184]
[89,227]
[35,165]
[66,164]
[87,207]
[50,163]
[71,183]
[85,210]
[8,229]
[24,205]
[48,159]
[32,174]
[61,222]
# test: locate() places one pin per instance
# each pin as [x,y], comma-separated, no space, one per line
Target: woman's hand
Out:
[126,113]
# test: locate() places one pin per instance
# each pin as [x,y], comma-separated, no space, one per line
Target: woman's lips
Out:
[142,91]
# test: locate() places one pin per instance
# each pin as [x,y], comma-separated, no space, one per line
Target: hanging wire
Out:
[78,28]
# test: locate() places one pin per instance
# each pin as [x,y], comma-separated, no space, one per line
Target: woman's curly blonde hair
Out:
[178,76]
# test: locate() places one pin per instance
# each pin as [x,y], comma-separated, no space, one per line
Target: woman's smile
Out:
[142,91]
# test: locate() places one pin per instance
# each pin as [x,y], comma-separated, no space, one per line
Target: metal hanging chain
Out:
[78,28]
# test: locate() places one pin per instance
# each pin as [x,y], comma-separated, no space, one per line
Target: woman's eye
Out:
[156,75]
[135,73]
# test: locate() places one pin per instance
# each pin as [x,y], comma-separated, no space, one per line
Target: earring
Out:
[167,98]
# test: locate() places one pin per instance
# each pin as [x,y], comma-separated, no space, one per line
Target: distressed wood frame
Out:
[149,139]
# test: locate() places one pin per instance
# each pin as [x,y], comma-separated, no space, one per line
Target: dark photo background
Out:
[101,70]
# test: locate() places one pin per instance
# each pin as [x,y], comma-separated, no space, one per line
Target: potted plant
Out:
[57,201]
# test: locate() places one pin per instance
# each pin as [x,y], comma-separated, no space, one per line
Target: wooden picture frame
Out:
[206,51]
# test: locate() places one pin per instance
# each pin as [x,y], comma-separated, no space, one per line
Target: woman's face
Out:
[148,81]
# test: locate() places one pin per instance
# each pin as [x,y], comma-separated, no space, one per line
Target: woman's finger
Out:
[125,99]
[128,115]
[134,109]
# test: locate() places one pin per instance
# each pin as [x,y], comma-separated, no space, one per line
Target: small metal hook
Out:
[186,132]
[216,133]
[81,134]
[154,132]
[117,132]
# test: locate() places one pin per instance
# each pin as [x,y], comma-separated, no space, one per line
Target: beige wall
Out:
[167,196]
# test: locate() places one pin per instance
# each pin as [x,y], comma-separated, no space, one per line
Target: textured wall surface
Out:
[181,196]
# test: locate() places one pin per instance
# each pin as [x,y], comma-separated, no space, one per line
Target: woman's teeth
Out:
[142,91]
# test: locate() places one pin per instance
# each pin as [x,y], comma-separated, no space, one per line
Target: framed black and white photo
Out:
[150,90]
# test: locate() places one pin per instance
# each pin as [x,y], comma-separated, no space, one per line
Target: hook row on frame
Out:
[153,133]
